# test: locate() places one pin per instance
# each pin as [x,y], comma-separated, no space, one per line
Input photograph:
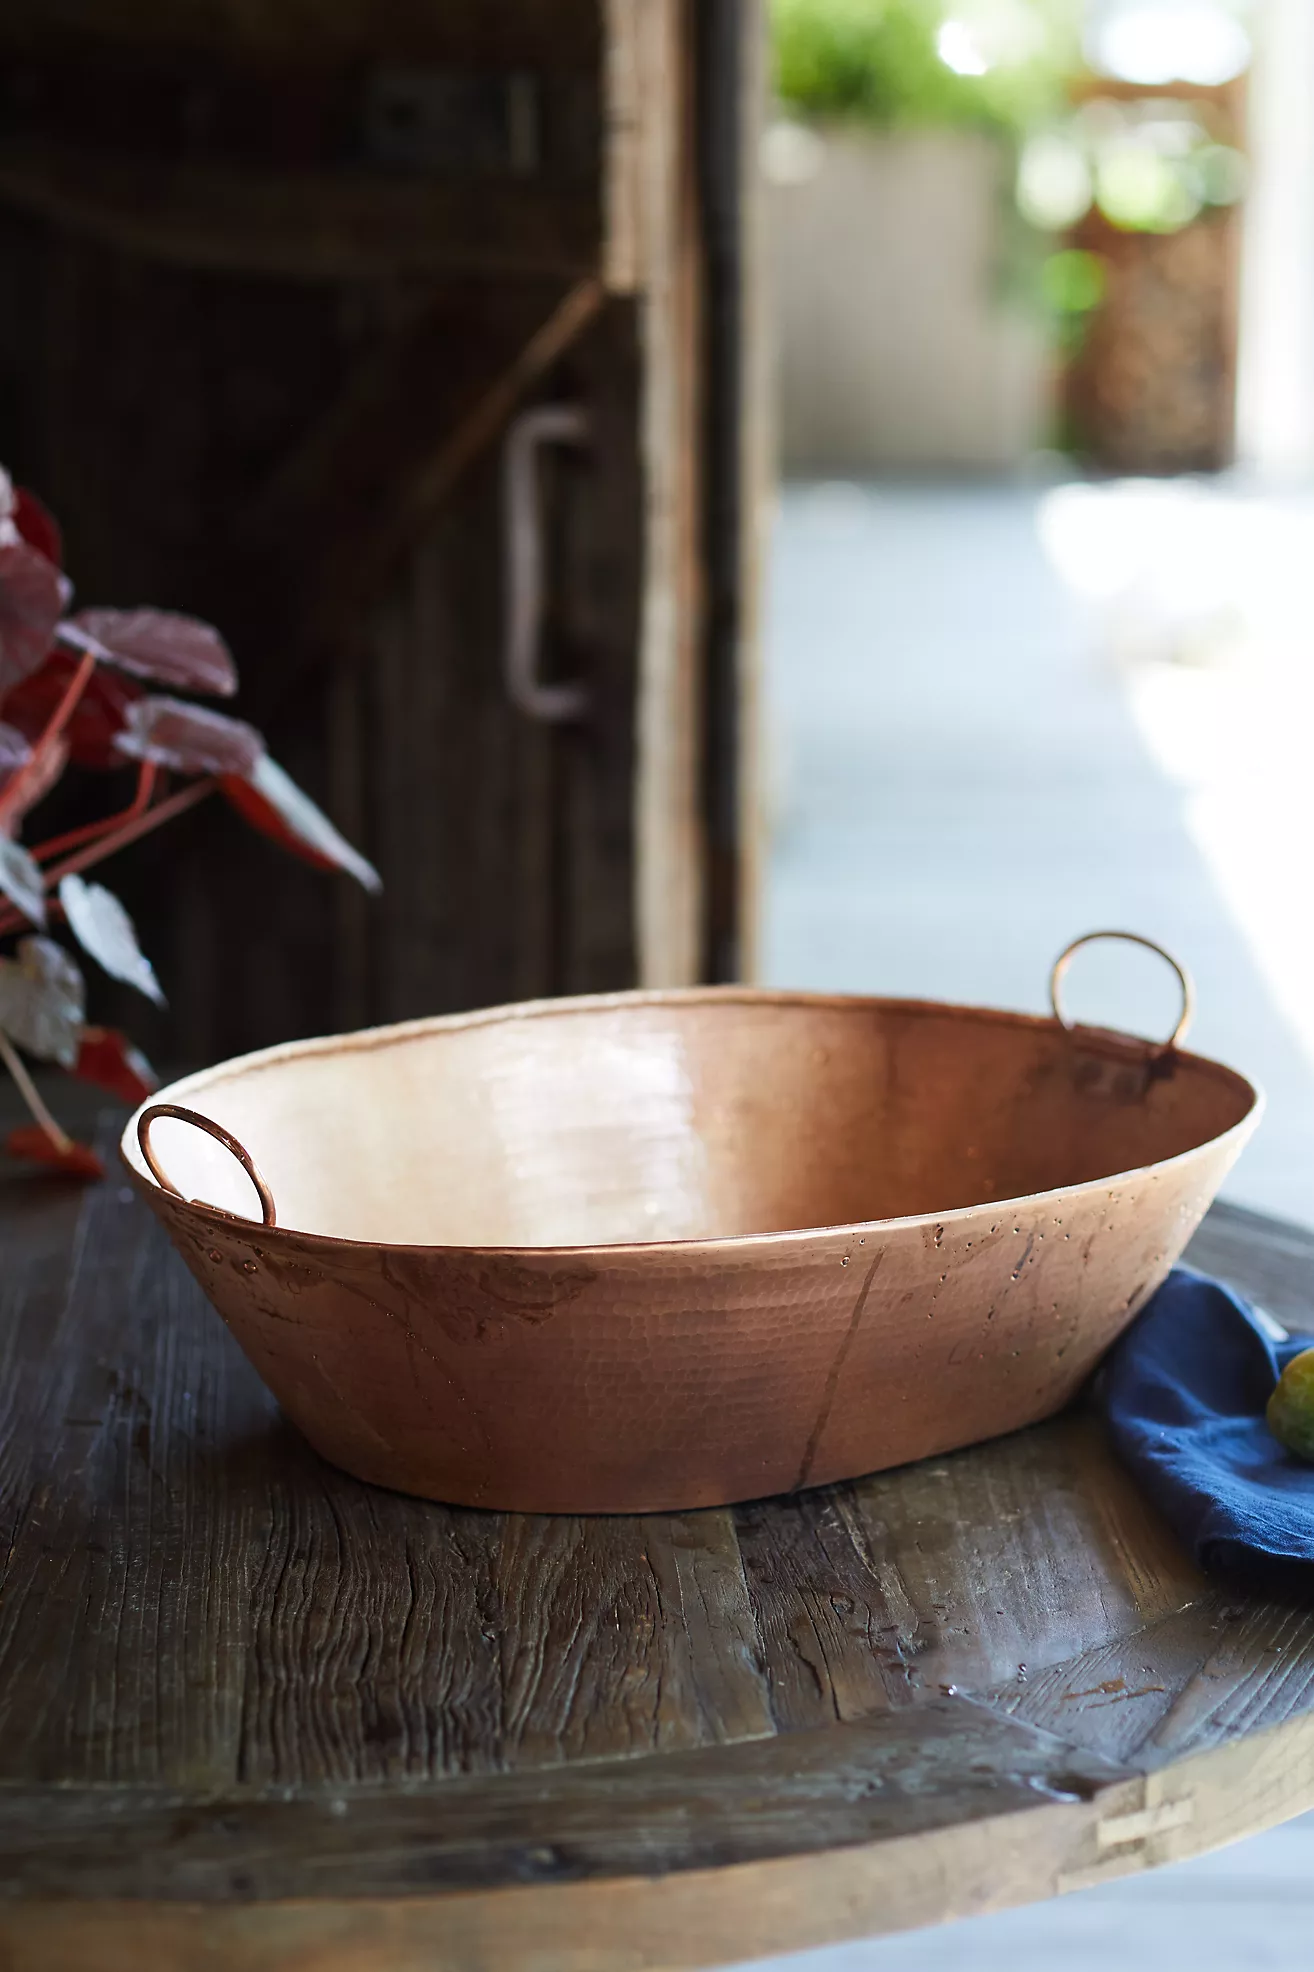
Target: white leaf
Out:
[285,812]
[102,927]
[42,1001]
[20,879]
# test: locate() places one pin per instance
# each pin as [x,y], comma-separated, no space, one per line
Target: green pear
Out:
[1290,1410]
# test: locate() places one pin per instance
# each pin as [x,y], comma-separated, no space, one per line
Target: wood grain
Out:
[833,1630]
[667,795]
[314,34]
[1217,1670]
[255,1714]
[1020,1552]
[944,1766]
[308,227]
[1262,1257]
[339,347]
[325,487]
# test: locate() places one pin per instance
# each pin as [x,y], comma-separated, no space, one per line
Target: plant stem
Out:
[163,811]
[27,1088]
[11,800]
[147,775]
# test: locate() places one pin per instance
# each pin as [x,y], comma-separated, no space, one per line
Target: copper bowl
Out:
[667,1250]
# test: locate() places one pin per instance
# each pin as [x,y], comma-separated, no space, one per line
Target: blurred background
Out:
[1042,284]
[917,578]
[1040,627]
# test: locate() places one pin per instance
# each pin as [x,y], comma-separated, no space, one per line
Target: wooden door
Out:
[292,284]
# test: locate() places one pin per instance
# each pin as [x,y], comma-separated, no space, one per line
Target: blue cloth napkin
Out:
[1183,1394]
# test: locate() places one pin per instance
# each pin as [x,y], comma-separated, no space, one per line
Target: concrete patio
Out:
[991,727]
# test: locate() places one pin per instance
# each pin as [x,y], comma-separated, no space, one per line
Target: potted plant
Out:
[909,327]
[100,688]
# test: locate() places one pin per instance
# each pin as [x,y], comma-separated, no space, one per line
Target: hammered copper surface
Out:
[673,1250]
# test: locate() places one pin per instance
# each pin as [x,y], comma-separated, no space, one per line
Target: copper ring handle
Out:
[1184,980]
[220,1135]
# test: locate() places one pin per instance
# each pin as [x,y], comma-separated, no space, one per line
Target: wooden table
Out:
[254,1714]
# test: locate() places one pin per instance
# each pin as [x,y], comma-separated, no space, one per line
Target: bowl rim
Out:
[398,1033]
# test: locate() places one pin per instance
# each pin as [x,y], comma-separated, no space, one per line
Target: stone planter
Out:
[895,348]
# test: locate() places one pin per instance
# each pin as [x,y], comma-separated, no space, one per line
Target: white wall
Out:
[894,348]
[1275,408]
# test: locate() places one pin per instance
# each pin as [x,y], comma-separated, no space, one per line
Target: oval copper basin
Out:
[655,1251]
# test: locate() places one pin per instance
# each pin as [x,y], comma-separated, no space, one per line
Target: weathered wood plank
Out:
[715,1664]
[1267,1259]
[421,477]
[1012,1555]
[959,1571]
[1075,1827]
[297,494]
[373,1652]
[189,1594]
[623,82]
[731,99]
[625,1637]
[833,1632]
[668,792]
[360,489]
[558,34]
[594,634]
[123,1589]
[229,1674]
[305,226]
[1258,1673]
[948,1764]
[1183,1685]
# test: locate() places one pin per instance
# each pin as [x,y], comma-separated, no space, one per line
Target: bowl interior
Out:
[681,1118]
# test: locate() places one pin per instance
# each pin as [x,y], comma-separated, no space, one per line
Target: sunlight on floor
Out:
[1000,715]
[1202,596]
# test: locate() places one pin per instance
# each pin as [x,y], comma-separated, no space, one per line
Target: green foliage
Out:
[1149,167]
[1074,281]
[880,62]
[868,60]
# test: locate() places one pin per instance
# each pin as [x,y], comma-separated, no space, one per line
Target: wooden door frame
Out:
[682,234]
[731,82]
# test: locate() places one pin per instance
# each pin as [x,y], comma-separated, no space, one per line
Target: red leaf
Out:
[37,525]
[100,716]
[160,645]
[109,1059]
[189,738]
[31,604]
[77,1159]
[272,802]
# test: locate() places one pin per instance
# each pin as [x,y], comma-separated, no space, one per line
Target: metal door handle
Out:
[545,424]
